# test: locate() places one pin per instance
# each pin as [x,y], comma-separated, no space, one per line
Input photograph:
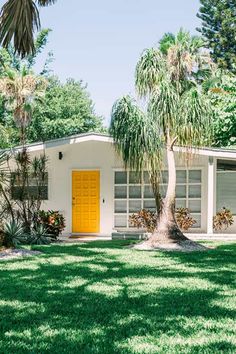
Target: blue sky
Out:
[101,41]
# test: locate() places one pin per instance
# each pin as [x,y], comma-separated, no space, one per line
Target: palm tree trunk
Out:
[167,229]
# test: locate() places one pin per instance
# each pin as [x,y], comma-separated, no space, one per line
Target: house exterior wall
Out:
[98,155]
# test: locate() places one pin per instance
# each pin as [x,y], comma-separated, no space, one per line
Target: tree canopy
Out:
[219,31]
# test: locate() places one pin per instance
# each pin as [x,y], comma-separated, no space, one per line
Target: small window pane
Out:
[121,177]
[180,203]
[146,177]
[135,191]
[181,176]
[120,192]
[194,206]
[120,221]
[164,176]
[197,218]
[135,206]
[163,189]
[180,191]
[149,205]
[120,206]
[194,191]
[195,176]
[148,193]
[135,178]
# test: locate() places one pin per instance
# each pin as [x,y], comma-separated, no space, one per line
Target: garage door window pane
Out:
[121,177]
[194,191]
[120,192]
[135,206]
[180,203]
[194,206]
[180,191]
[120,221]
[148,193]
[149,204]
[181,176]
[120,206]
[195,176]
[135,178]
[135,191]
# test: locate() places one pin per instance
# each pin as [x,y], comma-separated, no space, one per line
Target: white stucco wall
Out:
[99,155]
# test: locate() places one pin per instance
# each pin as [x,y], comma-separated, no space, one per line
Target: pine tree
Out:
[219,30]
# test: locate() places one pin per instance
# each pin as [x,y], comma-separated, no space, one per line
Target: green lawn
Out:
[104,298]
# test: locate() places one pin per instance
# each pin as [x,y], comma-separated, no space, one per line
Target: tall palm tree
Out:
[21,89]
[176,112]
[18,21]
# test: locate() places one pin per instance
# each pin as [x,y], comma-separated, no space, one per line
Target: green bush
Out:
[39,236]
[13,234]
[52,220]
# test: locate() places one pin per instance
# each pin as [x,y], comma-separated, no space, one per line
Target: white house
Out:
[87,183]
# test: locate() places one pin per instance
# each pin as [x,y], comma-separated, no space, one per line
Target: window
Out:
[33,189]
[133,192]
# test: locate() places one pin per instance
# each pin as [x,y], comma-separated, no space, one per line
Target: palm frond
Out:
[18,21]
[46,2]
[135,137]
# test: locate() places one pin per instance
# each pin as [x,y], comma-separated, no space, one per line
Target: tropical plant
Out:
[177,112]
[219,31]
[52,220]
[144,219]
[23,186]
[21,90]
[184,219]
[39,235]
[13,234]
[18,21]
[223,219]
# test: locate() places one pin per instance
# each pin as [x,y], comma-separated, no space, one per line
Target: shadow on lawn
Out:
[88,299]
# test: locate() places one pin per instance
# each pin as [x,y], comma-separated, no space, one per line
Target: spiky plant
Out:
[177,112]
[39,235]
[14,234]
[21,90]
[18,21]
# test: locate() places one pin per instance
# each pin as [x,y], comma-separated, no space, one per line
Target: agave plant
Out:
[39,235]
[14,234]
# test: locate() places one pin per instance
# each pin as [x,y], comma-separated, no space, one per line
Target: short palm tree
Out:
[18,21]
[21,90]
[176,111]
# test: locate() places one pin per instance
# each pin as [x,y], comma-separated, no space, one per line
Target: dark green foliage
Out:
[18,21]
[13,234]
[105,298]
[219,30]
[39,235]
[52,220]
[223,102]
[66,109]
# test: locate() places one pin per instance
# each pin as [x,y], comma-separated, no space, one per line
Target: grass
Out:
[102,298]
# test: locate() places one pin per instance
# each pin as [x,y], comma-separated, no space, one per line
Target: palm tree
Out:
[18,21]
[176,111]
[21,89]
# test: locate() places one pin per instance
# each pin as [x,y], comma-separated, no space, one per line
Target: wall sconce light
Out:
[60,155]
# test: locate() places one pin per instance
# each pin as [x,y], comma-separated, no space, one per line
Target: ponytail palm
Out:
[177,112]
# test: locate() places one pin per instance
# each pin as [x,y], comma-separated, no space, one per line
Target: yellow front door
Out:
[85,201]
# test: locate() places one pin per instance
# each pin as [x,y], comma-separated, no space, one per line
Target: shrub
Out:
[147,219]
[184,219]
[39,236]
[13,234]
[52,220]
[223,219]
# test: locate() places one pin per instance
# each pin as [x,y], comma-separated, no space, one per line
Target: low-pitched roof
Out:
[79,138]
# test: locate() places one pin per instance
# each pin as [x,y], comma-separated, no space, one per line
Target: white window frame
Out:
[187,198]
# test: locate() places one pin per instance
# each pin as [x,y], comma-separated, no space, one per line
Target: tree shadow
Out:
[100,298]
